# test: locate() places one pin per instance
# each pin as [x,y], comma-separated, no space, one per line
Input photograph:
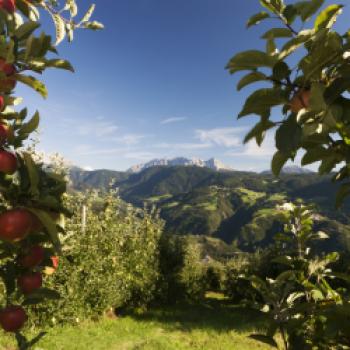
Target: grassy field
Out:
[210,326]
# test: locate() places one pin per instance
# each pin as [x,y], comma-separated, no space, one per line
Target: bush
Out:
[112,262]
[216,276]
[236,288]
[182,270]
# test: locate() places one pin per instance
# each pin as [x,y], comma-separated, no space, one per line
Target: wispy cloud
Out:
[226,137]
[252,150]
[173,120]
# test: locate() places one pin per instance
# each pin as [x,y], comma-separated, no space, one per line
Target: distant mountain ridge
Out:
[211,163]
[293,169]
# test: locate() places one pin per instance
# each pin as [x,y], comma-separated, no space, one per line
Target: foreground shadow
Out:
[211,314]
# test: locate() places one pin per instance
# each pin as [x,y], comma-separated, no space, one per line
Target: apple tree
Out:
[31,204]
[307,77]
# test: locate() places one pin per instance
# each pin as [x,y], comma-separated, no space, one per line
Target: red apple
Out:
[12,318]
[2,103]
[8,68]
[30,282]
[8,162]
[55,260]
[7,85]
[51,270]
[15,224]
[300,100]
[4,133]
[8,5]
[32,257]
[37,224]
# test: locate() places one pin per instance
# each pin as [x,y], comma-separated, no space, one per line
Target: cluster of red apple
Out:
[13,317]
[8,161]
[16,224]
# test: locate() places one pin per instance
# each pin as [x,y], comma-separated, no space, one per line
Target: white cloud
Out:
[252,150]
[173,120]
[226,137]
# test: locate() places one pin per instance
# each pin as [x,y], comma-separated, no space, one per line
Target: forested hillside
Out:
[240,208]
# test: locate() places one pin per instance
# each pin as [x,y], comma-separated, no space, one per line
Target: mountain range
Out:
[212,163]
[239,208]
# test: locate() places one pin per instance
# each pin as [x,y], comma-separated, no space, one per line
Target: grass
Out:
[214,325]
[250,197]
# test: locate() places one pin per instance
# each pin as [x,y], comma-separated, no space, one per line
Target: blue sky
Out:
[153,85]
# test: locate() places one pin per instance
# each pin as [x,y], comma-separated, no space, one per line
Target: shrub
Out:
[182,270]
[110,262]
[215,276]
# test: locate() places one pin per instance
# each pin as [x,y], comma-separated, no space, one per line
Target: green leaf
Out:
[343,276]
[271,48]
[258,131]
[335,89]
[307,9]
[295,43]
[284,260]
[88,14]
[317,295]
[93,25]
[32,125]
[261,102]
[251,59]
[257,18]
[328,164]
[278,161]
[33,83]
[327,17]
[314,154]
[317,102]
[33,174]
[281,71]
[26,29]
[59,63]
[73,8]
[342,193]
[278,33]
[290,13]
[275,6]
[59,26]
[320,235]
[49,225]
[264,339]
[288,136]
[250,78]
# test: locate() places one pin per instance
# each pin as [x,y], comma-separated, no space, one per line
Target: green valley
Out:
[240,208]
